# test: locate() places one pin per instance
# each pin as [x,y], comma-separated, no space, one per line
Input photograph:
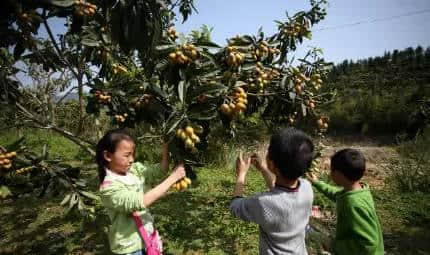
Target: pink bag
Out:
[152,242]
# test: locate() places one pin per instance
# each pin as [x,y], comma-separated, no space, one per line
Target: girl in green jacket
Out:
[124,189]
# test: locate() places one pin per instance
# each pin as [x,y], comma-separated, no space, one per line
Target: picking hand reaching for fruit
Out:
[242,167]
[259,160]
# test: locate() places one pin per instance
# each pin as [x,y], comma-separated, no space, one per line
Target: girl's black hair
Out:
[108,143]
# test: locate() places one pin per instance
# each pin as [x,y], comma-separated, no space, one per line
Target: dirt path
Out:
[378,156]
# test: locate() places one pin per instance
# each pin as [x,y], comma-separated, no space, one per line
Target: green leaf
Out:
[4,192]
[181,90]
[303,110]
[73,200]
[66,199]
[90,195]
[60,3]
[202,112]
[208,89]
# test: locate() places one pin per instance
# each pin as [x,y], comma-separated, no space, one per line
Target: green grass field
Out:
[194,221]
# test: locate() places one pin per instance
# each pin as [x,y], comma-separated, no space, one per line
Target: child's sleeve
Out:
[248,209]
[150,173]
[328,190]
[364,235]
[118,198]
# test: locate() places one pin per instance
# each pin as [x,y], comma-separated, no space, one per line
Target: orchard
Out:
[142,73]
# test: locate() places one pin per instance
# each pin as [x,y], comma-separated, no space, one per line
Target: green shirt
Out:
[121,196]
[358,231]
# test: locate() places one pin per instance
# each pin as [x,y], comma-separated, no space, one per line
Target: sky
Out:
[231,17]
[335,35]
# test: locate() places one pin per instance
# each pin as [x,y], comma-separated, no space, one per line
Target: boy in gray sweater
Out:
[282,213]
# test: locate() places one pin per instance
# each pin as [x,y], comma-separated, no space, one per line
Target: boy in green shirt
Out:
[358,231]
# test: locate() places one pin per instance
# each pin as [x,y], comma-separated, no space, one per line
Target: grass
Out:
[194,221]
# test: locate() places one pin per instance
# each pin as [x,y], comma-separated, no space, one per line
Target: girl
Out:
[123,190]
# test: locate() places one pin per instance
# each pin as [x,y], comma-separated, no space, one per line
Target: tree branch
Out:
[65,95]
[86,145]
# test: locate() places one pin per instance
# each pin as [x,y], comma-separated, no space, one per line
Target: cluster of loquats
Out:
[185,55]
[121,117]
[299,80]
[182,184]
[190,137]
[263,77]
[85,9]
[316,81]
[322,123]
[102,97]
[238,104]
[172,33]
[263,50]
[234,57]
[296,29]
[6,160]
[140,102]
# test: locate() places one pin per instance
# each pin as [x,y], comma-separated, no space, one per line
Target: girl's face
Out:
[120,161]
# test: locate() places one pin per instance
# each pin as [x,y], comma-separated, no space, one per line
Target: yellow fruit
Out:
[183,136]
[225,109]
[312,105]
[177,186]
[242,100]
[187,180]
[320,123]
[325,125]
[243,95]
[195,138]
[319,81]
[241,106]
[172,56]
[189,143]
[183,184]
[232,106]
[179,133]
[6,161]
[198,129]
[2,162]
[2,156]
[8,166]
[189,131]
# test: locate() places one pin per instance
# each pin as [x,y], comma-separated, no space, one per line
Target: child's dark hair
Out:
[349,162]
[291,151]
[108,143]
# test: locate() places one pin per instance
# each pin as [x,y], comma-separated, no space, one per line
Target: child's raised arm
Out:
[328,190]
[160,190]
[259,161]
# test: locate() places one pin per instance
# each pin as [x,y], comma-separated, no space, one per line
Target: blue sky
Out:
[230,17]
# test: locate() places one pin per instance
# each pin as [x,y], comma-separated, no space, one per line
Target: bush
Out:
[412,171]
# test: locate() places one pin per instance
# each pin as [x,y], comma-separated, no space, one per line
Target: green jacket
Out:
[122,195]
[358,231]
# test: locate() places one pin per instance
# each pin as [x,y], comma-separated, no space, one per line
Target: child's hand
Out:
[259,161]
[242,166]
[178,172]
[312,177]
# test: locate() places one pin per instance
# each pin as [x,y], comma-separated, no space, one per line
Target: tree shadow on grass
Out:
[199,224]
[41,227]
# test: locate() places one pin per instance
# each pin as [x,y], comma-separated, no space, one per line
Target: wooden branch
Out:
[65,95]
[86,145]
[54,42]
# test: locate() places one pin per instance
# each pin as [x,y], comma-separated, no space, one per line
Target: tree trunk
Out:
[81,105]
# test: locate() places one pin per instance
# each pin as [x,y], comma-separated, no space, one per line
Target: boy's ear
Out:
[107,156]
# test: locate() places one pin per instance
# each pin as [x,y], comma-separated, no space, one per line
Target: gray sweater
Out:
[282,215]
